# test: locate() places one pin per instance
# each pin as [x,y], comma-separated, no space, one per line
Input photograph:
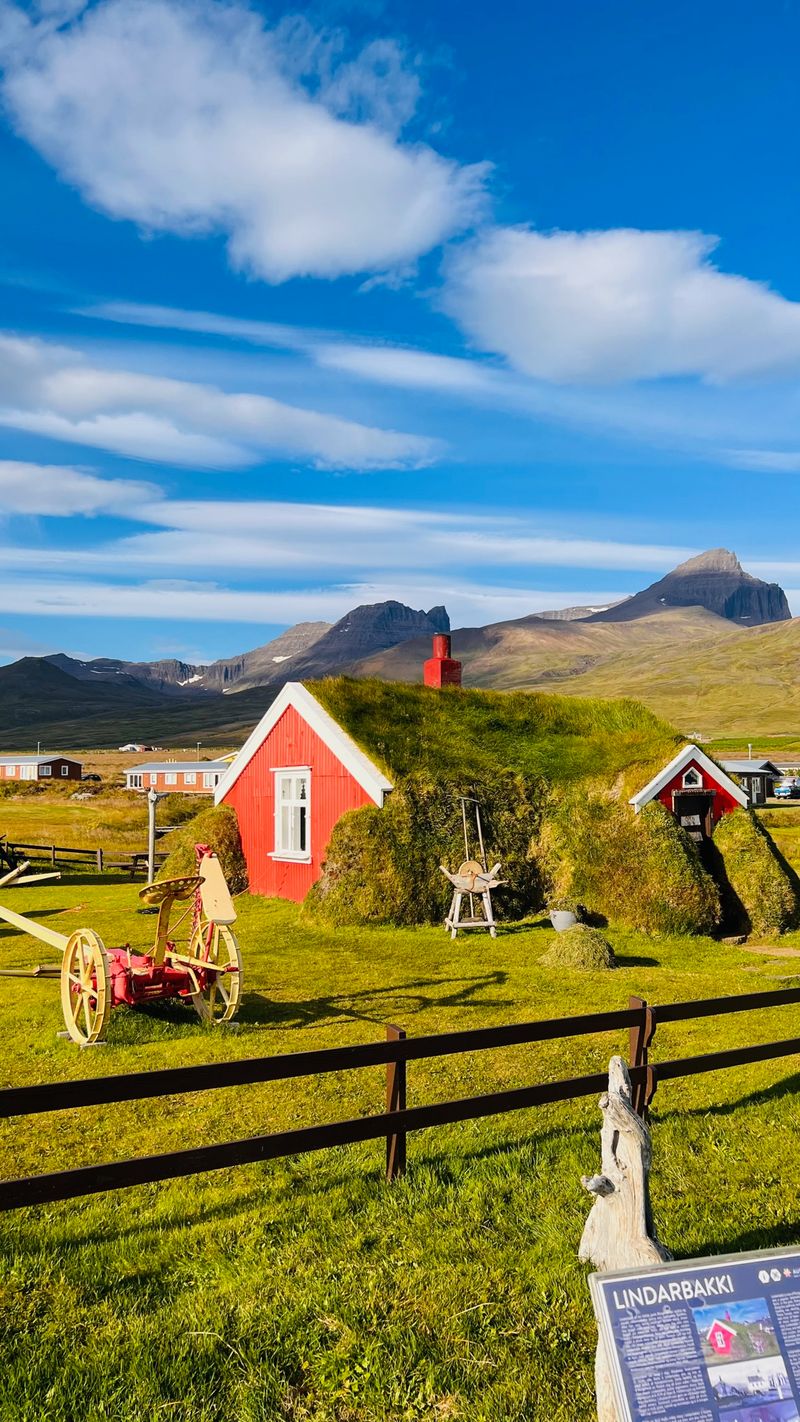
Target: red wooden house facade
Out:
[696,790]
[295,776]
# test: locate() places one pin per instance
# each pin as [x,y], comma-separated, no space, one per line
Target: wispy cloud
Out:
[54,391]
[191,116]
[60,491]
[190,601]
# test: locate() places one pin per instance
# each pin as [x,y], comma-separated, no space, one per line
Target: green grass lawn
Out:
[309,1288]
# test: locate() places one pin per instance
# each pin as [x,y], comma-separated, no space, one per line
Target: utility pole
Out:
[152,801]
[199,743]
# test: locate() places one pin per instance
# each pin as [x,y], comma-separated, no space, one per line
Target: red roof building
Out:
[696,790]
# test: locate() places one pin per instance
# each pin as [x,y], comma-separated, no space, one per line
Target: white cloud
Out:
[210,602]
[189,116]
[598,307]
[171,318]
[59,491]
[767,461]
[54,391]
[280,539]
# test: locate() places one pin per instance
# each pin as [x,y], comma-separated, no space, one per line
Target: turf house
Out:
[347,798]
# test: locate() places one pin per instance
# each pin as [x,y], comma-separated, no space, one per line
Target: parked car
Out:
[787,790]
[92,776]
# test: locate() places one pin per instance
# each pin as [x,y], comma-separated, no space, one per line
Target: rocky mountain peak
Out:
[715,580]
[714,560]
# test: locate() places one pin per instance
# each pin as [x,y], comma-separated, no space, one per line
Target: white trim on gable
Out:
[677,764]
[296,696]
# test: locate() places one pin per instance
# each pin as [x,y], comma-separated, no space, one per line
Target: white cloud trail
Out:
[54,391]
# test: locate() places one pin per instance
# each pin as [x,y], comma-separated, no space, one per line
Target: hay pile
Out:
[580,947]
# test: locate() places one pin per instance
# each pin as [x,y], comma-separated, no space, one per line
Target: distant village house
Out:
[40,767]
[184,777]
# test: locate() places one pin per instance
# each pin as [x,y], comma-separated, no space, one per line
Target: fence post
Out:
[641,1037]
[99,861]
[53,854]
[395,1101]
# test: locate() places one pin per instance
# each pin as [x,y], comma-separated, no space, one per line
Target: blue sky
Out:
[498,309]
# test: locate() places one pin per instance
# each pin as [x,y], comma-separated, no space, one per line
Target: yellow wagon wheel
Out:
[85,987]
[214,944]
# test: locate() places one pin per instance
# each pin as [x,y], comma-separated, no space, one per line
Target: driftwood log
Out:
[619,1231]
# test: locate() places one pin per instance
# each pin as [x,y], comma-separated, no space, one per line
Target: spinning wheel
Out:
[85,987]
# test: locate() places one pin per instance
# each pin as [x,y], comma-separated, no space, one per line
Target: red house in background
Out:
[696,790]
[295,776]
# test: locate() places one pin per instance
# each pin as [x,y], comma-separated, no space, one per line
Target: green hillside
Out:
[702,673]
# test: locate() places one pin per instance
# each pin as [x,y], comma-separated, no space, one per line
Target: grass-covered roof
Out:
[458,731]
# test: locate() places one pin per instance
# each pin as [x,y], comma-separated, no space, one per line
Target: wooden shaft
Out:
[395,1101]
[36,930]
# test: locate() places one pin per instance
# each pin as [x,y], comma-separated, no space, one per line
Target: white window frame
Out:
[170,777]
[135,782]
[11,771]
[153,777]
[211,779]
[45,770]
[65,770]
[692,779]
[295,856]
[190,777]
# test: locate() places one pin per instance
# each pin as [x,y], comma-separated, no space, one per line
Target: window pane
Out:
[303,813]
[286,787]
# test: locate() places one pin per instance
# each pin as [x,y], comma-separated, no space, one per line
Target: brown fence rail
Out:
[641,1019]
[53,852]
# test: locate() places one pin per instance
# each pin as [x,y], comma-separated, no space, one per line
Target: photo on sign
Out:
[751,1382]
[764,1412]
[736,1332]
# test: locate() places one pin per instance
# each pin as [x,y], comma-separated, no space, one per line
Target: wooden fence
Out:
[54,852]
[398,1118]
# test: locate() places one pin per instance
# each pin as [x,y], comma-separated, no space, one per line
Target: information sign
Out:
[705,1340]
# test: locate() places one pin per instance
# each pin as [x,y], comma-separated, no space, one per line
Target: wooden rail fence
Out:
[640,1018]
[50,851]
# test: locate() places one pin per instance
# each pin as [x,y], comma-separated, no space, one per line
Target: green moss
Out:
[580,947]
[382,866]
[759,889]
[217,827]
[456,732]
[642,870]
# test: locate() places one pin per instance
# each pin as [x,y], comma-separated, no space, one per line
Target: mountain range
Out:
[709,646]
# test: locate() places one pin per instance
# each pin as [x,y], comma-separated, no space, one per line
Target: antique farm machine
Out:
[195,956]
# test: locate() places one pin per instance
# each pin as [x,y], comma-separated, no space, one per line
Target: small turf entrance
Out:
[693,811]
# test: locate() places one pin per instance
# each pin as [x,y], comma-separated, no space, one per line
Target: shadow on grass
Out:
[790,1085]
[156,1020]
[630,960]
[407,1001]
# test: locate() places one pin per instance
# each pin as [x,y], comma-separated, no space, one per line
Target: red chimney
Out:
[440,669]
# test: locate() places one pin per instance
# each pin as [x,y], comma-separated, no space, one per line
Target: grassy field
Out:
[309,1289]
